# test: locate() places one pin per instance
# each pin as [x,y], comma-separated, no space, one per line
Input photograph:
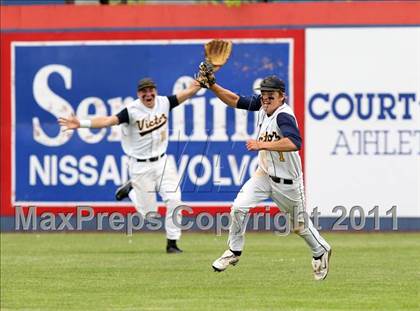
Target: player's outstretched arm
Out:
[228,97]
[189,92]
[73,122]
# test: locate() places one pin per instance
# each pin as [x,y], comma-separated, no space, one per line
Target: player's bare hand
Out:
[69,123]
[252,145]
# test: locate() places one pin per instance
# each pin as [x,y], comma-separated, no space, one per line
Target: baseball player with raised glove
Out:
[279,173]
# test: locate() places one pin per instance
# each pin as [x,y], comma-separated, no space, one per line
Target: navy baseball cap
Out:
[272,83]
[144,83]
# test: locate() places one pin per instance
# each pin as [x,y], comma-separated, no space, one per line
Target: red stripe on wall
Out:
[299,82]
[211,15]
[5,127]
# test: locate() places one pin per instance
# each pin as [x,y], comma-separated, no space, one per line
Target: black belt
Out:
[154,159]
[278,180]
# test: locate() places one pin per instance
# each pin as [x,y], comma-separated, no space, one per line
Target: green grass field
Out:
[112,271]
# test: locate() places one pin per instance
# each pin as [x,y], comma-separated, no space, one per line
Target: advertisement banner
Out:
[98,78]
[363,121]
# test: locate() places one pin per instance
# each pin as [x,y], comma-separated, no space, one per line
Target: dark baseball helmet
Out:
[272,83]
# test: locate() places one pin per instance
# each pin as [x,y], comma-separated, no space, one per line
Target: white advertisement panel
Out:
[362,119]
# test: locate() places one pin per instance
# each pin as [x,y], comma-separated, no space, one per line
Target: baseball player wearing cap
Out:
[145,140]
[278,176]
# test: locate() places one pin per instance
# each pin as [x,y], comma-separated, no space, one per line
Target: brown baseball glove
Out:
[217,53]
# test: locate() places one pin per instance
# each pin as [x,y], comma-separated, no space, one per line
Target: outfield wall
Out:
[353,76]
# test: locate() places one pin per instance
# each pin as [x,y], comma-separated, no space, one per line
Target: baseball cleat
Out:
[122,191]
[173,250]
[321,266]
[228,258]
[172,247]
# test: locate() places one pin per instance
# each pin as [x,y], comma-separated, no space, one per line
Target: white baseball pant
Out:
[289,198]
[149,178]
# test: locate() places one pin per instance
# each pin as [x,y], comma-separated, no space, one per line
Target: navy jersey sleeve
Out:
[123,116]
[173,102]
[251,103]
[287,125]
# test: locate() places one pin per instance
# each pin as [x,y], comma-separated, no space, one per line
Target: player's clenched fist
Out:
[252,145]
[69,123]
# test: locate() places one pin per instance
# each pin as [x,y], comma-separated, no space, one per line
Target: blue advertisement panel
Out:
[92,78]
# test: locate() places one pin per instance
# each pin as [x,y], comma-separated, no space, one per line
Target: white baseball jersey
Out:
[282,123]
[279,164]
[145,131]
